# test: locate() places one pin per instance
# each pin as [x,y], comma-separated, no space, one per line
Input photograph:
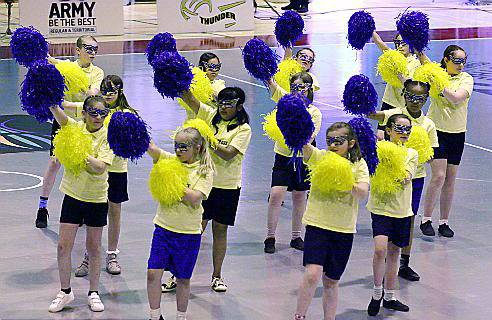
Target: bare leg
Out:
[308,288]
[448,191]
[330,298]
[406,250]
[390,278]
[114,223]
[438,167]
[277,195]
[93,246]
[182,294]
[378,263]
[50,176]
[299,201]
[219,246]
[154,277]
[67,232]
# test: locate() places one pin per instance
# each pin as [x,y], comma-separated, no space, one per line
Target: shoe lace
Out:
[218,282]
[59,297]
[95,299]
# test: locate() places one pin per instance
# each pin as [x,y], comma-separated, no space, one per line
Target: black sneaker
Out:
[373,307]
[427,229]
[395,305]
[269,245]
[407,273]
[297,244]
[42,218]
[293,5]
[303,8]
[445,231]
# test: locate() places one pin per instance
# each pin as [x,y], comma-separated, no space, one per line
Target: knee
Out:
[152,276]
[94,248]
[312,277]
[54,163]
[276,197]
[183,282]
[380,253]
[63,249]
[438,178]
[219,231]
[329,283]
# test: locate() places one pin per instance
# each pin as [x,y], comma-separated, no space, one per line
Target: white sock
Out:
[377,294]
[296,234]
[425,219]
[389,295]
[443,221]
[155,314]
[180,315]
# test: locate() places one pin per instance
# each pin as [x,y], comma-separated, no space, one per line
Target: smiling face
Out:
[306,58]
[212,68]
[338,141]
[455,62]
[399,131]
[401,45]
[184,147]
[94,116]
[88,51]
[415,97]
[228,109]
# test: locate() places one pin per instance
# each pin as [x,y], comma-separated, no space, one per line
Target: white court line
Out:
[478,147]
[474,180]
[23,174]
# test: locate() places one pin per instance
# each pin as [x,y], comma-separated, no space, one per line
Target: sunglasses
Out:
[457,61]
[181,146]
[94,112]
[337,141]
[212,66]
[228,104]
[401,128]
[415,98]
[90,49]
[306,58]
[399,43]
[300,87]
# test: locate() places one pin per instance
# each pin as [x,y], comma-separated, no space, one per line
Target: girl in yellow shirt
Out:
[306,58]
[177,233]
[285,176]
[330,223]
[210,63]
[449,112]
[85,202]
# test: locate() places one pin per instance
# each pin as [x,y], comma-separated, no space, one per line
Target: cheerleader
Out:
[210,63]
[306,58]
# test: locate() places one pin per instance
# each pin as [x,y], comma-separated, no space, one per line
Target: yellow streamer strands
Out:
[433,74]
[76,80]
[286,69]
[271,129]
[205,131]
[390,171]
[390,64]
[72,147]
[201,87]
[332,173]
[419,140]
[167,181]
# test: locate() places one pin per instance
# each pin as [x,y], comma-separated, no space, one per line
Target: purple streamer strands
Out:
[28,45]
[172,74]
[127,135]
[367,141]
[288,28]
[260,60]
[361,25]
[359,96]
[413,26]
[160,42]
[42,88]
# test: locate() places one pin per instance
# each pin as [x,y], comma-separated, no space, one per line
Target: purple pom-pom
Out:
[260,60]
[288,28]
[127,135]
[367,141]
[413,26]
[359,96]
[28,45]
[160,42]
[172,74]
[361,25]
[42,88]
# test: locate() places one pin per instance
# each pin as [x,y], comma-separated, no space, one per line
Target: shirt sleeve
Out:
[278,94]
[241,139]
[165,155]
[206,113]
[361,172]
[434,141]
[467,84]
[317,118]
[204,184]
[412,161]
[98,78]
[105,154]
[316,156]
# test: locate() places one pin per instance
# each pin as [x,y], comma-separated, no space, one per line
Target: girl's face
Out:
[399,131]
[184,148]
[455,63]
[94,116]
[306,59]
[415,98]
[300,86]
[88,51]
[401,45]
[228,109]
[337,141]
[110,96]
[212,68]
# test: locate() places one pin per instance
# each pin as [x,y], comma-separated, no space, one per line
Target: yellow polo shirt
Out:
[337,213]
[447,116]
[182,218]
[86,186]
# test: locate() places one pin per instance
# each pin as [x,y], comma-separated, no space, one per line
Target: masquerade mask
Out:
[305,58]
[109,93]
[90,49]
[415,98]
[94,112]
[300,87]
[181,146]
[228,104]
[402,129]
[457,61]
[337,141]
[212,66]
[399,43]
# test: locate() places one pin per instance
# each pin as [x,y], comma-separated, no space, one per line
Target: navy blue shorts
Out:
[396,229]
[417,188]
[174,252]
[285,175]
[221,205]
[118,187]
[327,248]
[80,212]
[451,146]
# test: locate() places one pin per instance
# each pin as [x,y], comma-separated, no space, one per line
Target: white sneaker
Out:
[218,285]
[95,303]
[170,285]
[61,301]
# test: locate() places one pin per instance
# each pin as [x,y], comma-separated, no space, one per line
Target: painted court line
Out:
[23,174]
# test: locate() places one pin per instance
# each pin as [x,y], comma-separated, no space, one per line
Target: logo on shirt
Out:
[190,8]
[22,133]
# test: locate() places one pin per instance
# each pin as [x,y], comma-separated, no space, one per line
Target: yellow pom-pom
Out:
[433,74]
[167,181]
[390,64]
[205,131]
[76,80]
[390,171]
[419,140]
[286,69]
[201,87]
[271,129]
[72,147]
[332,173]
